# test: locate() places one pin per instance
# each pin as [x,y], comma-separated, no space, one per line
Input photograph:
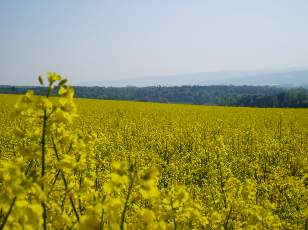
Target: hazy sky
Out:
[117,39]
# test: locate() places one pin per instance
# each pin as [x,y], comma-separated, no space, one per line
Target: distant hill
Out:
[282,78]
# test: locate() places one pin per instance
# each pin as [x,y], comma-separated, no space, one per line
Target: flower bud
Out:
[40,79]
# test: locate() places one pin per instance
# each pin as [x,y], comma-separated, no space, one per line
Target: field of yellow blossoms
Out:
[70,163]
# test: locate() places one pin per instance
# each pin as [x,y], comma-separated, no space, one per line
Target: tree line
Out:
[253,96]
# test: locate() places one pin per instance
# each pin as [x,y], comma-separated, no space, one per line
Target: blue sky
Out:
[118,39]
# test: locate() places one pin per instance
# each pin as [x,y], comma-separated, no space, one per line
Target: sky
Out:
[99,40]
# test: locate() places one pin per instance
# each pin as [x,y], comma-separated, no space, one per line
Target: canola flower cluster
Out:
[149,166]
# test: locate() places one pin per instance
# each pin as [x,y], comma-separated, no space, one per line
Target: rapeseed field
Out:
[70,163]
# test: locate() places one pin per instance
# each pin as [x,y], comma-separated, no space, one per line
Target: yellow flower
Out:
[66,92]
[119,167]
[34,212]
[147,216]
[61,221]
[150,174]
[149,189]
[68,162]
[67,105]
[215,217]
[116,179]
[115,204]
[52,77]
[62,117]
[27,98]
[44,103]
[182,195]
[88,222]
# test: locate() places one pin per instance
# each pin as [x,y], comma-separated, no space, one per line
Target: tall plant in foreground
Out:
[46,150]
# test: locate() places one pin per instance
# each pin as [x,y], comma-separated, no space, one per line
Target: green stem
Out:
[8,213]
[63,178]
[74,208]
[173,216]
[56,177]
[222,186]
[44,215]
[43,142]
[230,211]
[29,166]
[101,223]
[228,217]
[130,189]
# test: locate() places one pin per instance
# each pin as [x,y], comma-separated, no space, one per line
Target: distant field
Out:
[205,148]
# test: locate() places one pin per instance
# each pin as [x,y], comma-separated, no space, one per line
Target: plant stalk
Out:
[8,213]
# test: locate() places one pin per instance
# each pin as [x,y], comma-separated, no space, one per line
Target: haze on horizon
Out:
[103,40]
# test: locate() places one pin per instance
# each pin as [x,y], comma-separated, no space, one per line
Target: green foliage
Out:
[252,96]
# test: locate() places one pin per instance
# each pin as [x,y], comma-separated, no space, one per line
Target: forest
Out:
[226,95]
